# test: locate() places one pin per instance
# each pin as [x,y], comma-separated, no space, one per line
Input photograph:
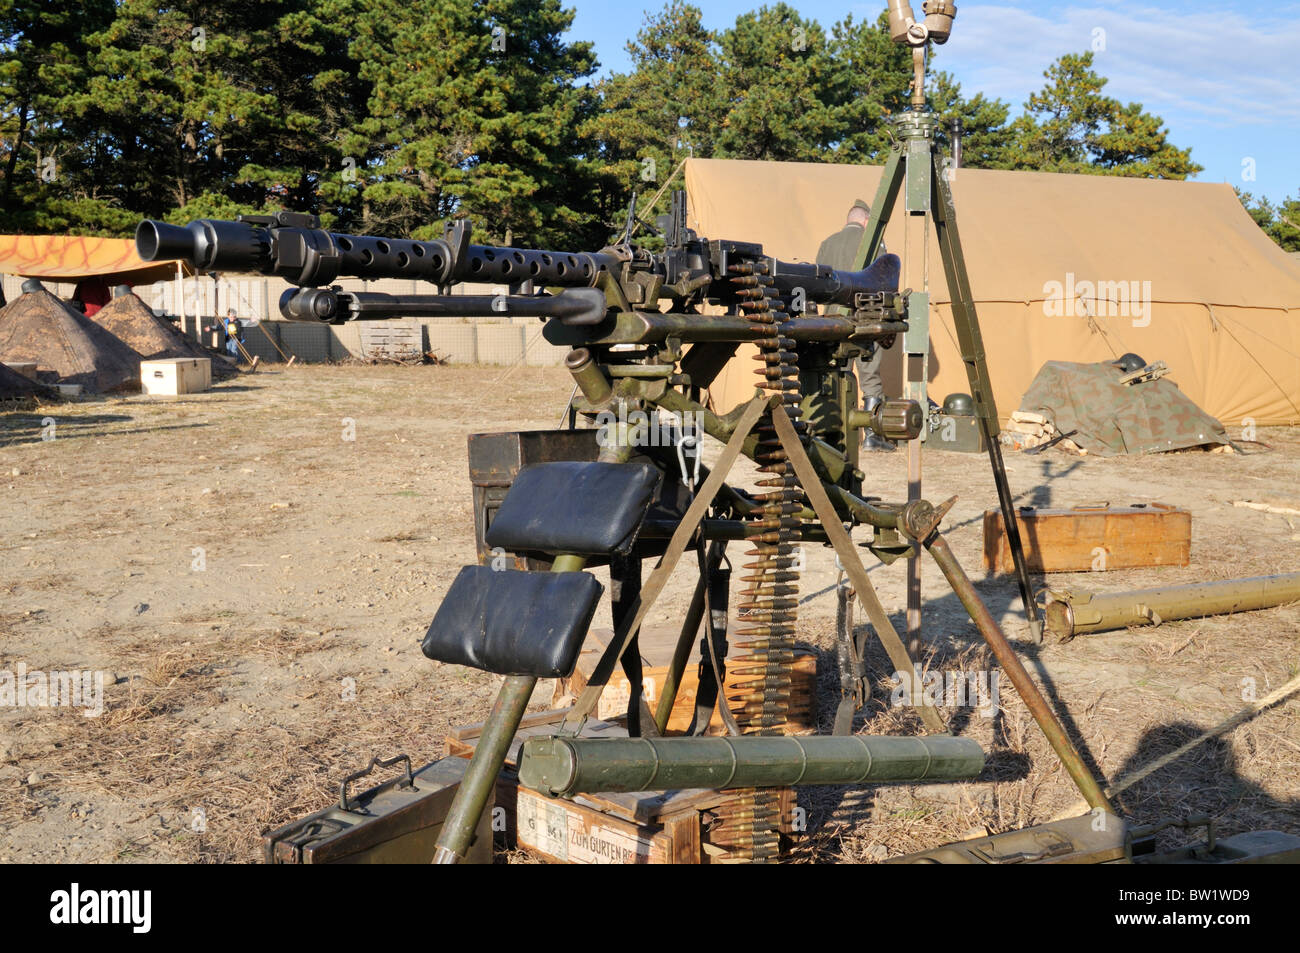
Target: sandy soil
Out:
[256,585]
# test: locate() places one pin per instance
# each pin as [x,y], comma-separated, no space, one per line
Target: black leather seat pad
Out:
[514,623]
[587,509]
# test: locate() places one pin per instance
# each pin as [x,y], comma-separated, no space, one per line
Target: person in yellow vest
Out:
[840,252]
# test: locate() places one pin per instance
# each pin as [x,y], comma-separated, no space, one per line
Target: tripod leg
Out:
[971,343]
[847,655]
[625,591]
[481,775]
[710,688]
[686,640]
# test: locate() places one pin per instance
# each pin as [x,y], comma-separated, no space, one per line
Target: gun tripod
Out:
[916,161]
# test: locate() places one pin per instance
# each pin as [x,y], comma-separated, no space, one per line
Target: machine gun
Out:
[648,332]
[599,301]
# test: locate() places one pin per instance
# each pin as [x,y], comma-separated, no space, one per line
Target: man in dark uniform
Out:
[839,251]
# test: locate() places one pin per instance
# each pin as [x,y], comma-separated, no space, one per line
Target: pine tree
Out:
[785,89]
[986,139]
[1070,125]
[669,107]
[1282,224]
[51,162]
[472,112]
[878,75]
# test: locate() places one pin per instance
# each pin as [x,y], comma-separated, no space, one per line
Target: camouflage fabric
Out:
[1111,418]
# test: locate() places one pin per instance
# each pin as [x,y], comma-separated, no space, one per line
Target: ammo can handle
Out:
[374,763]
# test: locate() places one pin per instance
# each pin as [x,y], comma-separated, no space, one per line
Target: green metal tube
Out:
[564,766]
[861,510]
[1078,613]
[588,376]
[481,775]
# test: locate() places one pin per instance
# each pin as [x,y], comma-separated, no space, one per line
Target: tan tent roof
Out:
[38,327]
[1225,311]
[73,257]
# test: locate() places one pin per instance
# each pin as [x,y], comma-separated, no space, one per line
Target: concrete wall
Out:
[460,340]
[465,341]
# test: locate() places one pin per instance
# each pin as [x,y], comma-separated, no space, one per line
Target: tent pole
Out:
[180,294]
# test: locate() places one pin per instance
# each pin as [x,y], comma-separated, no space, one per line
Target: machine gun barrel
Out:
[293,247]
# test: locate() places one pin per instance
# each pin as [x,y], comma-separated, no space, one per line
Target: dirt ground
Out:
[255,584]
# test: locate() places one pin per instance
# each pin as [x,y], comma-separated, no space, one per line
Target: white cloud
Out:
[1218,67]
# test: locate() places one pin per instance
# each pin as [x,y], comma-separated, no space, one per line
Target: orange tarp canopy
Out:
[73,257]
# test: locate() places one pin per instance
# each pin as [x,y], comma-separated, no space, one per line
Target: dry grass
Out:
[232,704]
[153,748]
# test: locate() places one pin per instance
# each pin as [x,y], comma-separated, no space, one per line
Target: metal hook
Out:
[690,478]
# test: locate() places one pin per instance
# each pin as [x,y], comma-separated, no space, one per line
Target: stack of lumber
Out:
[392,342]
[1028,429]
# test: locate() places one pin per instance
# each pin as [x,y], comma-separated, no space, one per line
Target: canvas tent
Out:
[128,318]
[38,327]
[1051,260]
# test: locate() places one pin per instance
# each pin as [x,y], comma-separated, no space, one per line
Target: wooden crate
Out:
[647,827]
[172,376]
[657,644]
[1092,538]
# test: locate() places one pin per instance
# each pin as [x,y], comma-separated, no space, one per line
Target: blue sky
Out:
[1224,76]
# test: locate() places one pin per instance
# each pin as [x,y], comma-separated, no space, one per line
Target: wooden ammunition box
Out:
[1092,538]
[173,376]
[495,459]
[656,643]
[694,826]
